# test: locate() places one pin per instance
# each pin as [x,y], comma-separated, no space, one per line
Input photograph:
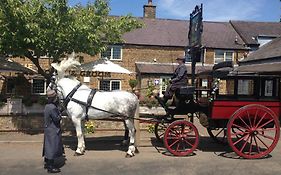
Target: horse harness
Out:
[88,105]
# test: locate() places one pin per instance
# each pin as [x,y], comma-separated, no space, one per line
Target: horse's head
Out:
[61,71]
[66,64]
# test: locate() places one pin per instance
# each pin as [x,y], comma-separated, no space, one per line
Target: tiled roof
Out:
[166,68]
[269,51]
[248,30]
[165,32]
[11,66]
[269,68]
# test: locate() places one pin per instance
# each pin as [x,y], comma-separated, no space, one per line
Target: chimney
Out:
[149,10]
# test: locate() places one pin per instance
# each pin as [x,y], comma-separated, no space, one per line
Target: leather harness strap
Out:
[89,102]
[69,96]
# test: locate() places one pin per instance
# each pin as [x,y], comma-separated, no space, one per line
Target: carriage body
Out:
[242,110]
[238,91]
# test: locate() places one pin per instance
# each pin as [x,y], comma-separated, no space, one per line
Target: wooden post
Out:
[137,127]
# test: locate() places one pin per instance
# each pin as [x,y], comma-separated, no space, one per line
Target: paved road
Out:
[21,154]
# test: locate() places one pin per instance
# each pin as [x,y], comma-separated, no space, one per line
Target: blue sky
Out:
[213,10]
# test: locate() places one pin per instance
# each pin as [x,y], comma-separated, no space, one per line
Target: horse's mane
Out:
[66,64]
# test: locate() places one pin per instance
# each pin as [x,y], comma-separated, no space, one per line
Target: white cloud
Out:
[213,10]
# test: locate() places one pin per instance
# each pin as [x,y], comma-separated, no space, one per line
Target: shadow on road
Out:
[206,144]
[105,143]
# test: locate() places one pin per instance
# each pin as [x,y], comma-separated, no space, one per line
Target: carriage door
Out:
[164,81]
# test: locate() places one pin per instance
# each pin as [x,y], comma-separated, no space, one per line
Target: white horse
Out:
[104,104]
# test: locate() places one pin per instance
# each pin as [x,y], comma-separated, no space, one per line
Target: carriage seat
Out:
[185,92]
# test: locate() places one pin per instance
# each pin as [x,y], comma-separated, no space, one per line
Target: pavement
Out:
[21,155]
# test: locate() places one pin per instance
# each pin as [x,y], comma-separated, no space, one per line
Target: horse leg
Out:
[81,143]
[126,135]
[132,133]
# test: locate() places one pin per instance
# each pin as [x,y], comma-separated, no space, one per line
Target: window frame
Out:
[32,85]
[224,55]
[110,84]
[162,87]
[111,47]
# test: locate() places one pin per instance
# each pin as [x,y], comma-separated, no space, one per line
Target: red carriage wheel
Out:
[253,131]
[181,138]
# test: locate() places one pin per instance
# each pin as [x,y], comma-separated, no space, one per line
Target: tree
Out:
[34,28]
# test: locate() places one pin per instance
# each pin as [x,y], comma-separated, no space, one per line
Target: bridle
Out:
[53,86]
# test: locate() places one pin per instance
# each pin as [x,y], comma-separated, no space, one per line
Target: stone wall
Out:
[34,122]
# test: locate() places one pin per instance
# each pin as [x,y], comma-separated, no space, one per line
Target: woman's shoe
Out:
[53,170]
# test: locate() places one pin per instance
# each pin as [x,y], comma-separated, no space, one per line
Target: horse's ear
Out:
[56,66]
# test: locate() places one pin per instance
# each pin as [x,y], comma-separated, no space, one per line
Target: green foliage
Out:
[34,28]
[90,127]
[149,102]
[149,91]
[150,128]
[133,83]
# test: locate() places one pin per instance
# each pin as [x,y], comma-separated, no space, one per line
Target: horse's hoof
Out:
[137,151]
[129,156]
[78,154]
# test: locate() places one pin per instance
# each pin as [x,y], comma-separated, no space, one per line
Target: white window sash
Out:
[110,84]
[219,59]
[44,93]
[111,53]
[111,81]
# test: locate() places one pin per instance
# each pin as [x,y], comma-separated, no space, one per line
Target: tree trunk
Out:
[36,62]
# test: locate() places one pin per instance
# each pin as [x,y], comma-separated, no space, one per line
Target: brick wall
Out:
[131,54]
[210,55]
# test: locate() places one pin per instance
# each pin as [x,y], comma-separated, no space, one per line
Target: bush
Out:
[149,102]
[90,127]
[133,83]
[151,128]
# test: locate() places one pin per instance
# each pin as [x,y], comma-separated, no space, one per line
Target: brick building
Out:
[151,51]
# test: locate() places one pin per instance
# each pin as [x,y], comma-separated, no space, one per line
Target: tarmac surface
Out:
[21,155]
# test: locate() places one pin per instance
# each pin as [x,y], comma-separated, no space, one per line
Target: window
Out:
[268,88]
[221,55]
[226,87]
[228,56]
[110,85]
[245,87]
[38,86]
[113,53]
[187,56]
[164,81]
[10,88]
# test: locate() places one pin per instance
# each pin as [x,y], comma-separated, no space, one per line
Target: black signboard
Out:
[195,27]
[194,37]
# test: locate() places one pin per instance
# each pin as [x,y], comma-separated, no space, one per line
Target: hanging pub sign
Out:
[89,73]
[195,27]
[194,37]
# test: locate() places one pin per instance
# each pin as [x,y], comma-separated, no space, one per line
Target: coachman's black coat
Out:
[52,147]
[178,80]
